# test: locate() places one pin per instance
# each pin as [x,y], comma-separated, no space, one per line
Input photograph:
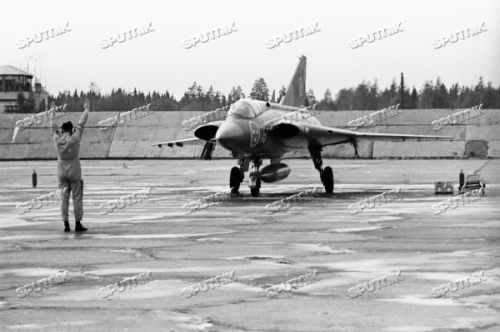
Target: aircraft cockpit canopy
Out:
[245,109]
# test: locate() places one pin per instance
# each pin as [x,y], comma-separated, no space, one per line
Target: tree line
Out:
[366,96]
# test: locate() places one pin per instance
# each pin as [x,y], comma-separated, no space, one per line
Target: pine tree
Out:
[310,97]
[260,90]
[413,103]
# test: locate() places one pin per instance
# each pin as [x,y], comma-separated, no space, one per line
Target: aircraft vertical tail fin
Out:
[295,94]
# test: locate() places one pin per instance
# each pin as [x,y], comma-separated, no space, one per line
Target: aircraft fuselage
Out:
[244,130]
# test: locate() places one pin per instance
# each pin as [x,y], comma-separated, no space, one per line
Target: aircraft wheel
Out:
[235,180]
[327,179]
[255,191]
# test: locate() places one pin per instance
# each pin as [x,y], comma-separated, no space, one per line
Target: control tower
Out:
[14,81]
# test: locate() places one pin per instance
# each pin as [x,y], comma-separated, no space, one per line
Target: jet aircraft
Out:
[246,134]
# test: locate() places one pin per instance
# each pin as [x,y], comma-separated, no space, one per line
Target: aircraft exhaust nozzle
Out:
[274,172]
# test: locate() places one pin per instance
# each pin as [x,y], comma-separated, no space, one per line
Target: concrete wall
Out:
[477,137]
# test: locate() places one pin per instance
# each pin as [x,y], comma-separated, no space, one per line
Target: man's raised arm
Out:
[85,114]
[51,115]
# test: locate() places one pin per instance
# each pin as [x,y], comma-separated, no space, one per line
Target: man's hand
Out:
[53,107]
[86,104]
[52,110]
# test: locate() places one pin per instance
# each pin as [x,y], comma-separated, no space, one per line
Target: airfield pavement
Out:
[263,250]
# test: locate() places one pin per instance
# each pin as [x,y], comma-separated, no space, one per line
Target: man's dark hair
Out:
[67,126]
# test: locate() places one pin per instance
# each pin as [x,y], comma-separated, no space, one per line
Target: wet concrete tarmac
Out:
[264,250]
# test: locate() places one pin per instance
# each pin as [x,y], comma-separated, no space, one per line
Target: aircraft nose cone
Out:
[229,133]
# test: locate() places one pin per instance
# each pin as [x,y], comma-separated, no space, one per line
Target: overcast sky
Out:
[158,61]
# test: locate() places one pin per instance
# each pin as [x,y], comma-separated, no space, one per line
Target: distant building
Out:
[14,81]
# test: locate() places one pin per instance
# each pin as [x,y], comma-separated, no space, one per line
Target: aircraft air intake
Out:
[285,131]
[206,132]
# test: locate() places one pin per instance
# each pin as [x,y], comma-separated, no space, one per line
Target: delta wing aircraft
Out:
[246,133]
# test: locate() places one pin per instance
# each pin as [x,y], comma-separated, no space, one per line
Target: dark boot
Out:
[66,226]
[79,227]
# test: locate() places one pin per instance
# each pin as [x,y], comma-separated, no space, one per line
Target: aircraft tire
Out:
[256,191]
[327,179]
[234,180]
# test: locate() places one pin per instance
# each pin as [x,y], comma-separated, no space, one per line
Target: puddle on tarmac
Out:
[322,248]
[211,239]
[166,236]
[361,229]
[382,218]
[39,238]
[15,222]
[444,277]
[43,326]
[35,273]
[255,257]
[431,301]
[368,265]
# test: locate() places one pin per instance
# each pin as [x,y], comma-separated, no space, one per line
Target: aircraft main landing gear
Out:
[327,179]
[237,175]
[326,174]
[235,180]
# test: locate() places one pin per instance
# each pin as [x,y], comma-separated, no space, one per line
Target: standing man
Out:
[69,171]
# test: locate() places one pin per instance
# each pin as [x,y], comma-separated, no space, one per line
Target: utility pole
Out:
[402,91]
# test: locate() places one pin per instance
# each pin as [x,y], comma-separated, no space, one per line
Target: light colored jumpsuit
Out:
[69,171]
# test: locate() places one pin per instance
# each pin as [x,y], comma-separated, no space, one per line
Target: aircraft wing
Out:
[182,142]
[306,133]
[204,134]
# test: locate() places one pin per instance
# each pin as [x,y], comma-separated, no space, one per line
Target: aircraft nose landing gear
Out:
[254,179]
[238,174]
[326,174]
[254,184]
